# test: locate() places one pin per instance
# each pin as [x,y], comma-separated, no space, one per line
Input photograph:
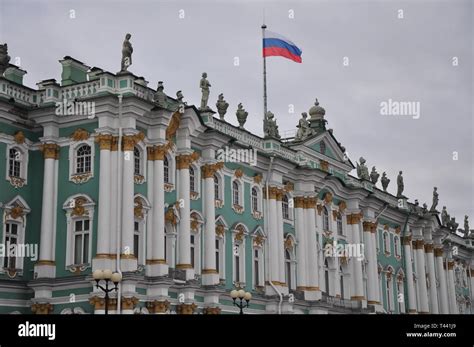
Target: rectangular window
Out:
[192,251]
[81,241]
[257,274]
[136,240]
[237,268]
[11,238]
[217,256]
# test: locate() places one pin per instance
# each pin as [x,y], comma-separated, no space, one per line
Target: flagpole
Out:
[264,78]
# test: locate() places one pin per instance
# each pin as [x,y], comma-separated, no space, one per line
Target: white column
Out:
[353,221]
[471,278]
[210,275]
[320,251]
[102,258]
[406,240]
[45,267]
[157,262]
[273,269]
[280,242]
[311,250]
[375,269]
[372,272]
[443,290]
[453,307]
[184,225]
[114,204]
[421,275]
[128,260]
[434,309]
[300,230]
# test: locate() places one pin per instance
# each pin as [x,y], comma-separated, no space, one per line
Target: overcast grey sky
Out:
[409,59]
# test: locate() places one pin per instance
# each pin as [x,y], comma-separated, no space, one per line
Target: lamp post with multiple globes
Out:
[242,295]
[107,276]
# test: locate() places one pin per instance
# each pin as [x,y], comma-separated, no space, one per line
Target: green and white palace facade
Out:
[155,191]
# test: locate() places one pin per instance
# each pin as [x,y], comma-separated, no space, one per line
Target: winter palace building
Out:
[99,171]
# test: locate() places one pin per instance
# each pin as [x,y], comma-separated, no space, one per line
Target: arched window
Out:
[137,161]
[137,238]
[192,179]
[166,170]
[235,193]
[216,188]
[14,168]
[396,246]
[386,242]
[288,272]
[285,207]
[388,288]
[257,271]
[339,224]
[254,199]
[83,159]
[325,219]
[193,250]
[400,295]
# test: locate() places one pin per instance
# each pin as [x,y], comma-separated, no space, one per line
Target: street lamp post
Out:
[107,276]
[242,295]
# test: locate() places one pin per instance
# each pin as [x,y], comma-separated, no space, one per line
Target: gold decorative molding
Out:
[183,161]
[78,209]
[129,303]
[320,209]
[97,302]
[211,310]
[16,182]
[272,192]
[240,233]
[354,218]
[161,150]
[16,212]
[173,125]
[157,306]
[194,225]
[138,179]
[289,186]
[209,271]
[81,178]
[155,261]
[335,214]
[170,217]
[239,173]
[450,264]
[220,230]
[386,227]
[328,197]
[19,137]
[138,208]
[183,266]
[279,194]
[79,135]
[398,230]
[114,144]
[43,308]
[209,170]
[50,150]
[128,143]
[104,141]
[186,308]
[324,165]
[288,243]
[258,178]
[258,241]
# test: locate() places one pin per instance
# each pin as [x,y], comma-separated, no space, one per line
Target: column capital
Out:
[429,248]
[157,306]
[418,244]
[450,264]
[104,141]
[406,240]
[183,161]
[272,192]
[129,303]
[42,308]
[158,152]
[50,150]
[369,226]
[438,251]
[211,310]
[354,218]
[209,170]
[310,202]
[299,201]
[129,141]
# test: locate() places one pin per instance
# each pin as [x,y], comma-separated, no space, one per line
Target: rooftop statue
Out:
[204,84]
[160,97]
[435,200]
[127,51]
[466,226]
[241,115]
[362,170]
[4,58]
[304,129]
[374,175]
[400,185]
[222,106]
[270,127]
[385,181]
[425,208]
[444,216]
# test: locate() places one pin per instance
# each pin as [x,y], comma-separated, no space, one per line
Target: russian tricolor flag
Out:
[277,45]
